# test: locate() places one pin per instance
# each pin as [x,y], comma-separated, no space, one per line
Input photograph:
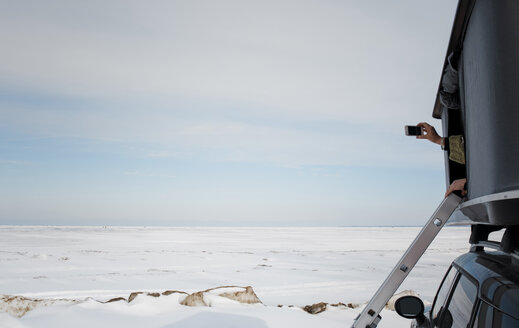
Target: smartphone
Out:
[413,130]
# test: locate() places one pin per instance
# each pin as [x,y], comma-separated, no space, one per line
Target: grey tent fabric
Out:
[449,92]
[450,100]
[450,79]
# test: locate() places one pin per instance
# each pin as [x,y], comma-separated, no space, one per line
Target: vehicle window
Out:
[504,294]
[489,317]
[506,299]
[442,294]
[460,305]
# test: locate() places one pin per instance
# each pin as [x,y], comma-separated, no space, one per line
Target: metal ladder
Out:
[370,316]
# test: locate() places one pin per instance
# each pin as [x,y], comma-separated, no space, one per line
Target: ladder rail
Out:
[369,317]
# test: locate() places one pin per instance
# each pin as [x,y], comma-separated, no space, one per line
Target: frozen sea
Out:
[288,268]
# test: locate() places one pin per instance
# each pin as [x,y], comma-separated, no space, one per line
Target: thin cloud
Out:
[15,162]
[148,175]
[311,59]
[168,154]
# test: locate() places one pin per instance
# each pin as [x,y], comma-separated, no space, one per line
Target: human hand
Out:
[429,133]
[457,185]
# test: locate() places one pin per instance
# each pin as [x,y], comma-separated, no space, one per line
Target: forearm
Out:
[437,139]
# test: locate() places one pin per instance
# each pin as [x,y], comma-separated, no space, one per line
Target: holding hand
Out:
[457,185]
[429,133]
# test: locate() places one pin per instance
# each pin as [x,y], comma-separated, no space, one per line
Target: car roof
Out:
[497,275]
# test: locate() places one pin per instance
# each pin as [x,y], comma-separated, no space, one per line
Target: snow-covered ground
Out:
[64,274]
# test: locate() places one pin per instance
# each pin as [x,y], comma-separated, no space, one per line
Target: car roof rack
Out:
[509,242]
[493,245]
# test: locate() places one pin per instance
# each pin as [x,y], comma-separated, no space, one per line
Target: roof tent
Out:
[478,98]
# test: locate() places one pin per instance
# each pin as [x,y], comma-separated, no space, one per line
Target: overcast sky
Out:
[219,112]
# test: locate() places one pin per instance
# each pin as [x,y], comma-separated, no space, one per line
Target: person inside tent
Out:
[455,146]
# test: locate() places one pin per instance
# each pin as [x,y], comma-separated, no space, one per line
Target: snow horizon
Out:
[70,272]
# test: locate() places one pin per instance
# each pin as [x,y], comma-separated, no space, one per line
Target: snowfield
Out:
[207,277]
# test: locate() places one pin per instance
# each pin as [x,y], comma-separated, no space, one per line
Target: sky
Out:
[220,113]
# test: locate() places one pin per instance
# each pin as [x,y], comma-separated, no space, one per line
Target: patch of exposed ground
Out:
[245,295]
[18,306]
[322,306]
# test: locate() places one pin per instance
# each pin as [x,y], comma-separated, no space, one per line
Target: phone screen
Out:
[411,130]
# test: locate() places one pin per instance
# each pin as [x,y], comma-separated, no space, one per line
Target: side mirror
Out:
[410,307]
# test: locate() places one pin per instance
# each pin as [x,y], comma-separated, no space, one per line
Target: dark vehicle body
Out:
[478,98]
[480,289]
